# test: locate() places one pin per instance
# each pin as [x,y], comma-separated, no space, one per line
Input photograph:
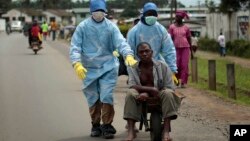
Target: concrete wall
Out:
[218,22]
[2,24]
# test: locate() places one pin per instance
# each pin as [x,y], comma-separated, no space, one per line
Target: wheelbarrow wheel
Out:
[155,126]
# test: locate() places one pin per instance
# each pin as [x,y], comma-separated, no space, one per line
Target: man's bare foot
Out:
[131,137]
[135,129]
[166,137]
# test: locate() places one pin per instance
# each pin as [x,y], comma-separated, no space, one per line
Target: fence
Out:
[212,76]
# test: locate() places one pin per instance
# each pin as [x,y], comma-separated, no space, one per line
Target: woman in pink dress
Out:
[181,37]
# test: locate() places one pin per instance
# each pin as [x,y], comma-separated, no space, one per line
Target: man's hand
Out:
[142,97]
[154,92]
[130,61]
[80,70]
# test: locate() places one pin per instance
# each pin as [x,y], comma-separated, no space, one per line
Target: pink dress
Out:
[180,35]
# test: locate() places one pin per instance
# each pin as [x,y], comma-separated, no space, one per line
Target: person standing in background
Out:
[45,29]
[222,44]
[53,25]
[194,42]
[181,36]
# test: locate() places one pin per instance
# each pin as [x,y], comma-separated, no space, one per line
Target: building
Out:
[29,14]
[24,15]
[59,15]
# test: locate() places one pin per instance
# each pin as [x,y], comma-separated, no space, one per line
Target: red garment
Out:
[182,55]
[35,30]
[180,35]
[181,13]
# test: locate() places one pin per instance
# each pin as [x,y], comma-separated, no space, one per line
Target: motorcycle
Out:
[35,46]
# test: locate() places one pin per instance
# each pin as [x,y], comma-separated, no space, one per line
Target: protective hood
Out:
[149,6]
[97,5]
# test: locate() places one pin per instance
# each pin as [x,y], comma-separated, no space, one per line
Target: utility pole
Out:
[199,5]
[173,6]
[171,11]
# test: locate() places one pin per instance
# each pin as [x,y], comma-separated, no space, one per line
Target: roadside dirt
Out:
[204,107]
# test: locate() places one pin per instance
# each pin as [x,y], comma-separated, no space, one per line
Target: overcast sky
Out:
[194,2]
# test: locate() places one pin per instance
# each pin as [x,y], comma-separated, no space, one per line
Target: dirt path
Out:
[202,106]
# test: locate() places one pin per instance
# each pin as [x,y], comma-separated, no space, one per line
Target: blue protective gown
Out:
[159,39]
[93,45]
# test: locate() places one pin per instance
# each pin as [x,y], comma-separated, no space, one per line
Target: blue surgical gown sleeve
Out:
[76,45]
[131,39]
[120,43]
[168,51]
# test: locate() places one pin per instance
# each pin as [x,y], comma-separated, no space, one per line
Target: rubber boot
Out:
[108,130]
[96,130]
[95,114]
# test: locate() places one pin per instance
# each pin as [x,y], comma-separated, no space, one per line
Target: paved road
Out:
[41,100]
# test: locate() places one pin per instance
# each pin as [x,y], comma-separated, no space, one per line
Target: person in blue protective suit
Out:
[151,31]
[91,54]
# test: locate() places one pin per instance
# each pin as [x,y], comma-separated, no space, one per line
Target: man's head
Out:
[150,13]
[144,52]
[98,9]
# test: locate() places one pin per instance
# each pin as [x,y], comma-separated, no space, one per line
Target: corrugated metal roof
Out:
[60,12]
[31,11]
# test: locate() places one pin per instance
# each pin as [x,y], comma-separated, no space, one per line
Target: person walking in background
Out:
[53,27]
[8,28]
[194,42]
[91,54]
[45,29]
[222,44]
[181,36]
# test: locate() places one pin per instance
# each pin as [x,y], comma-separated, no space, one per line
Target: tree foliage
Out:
[211,6]
[233,5]
[159,3]
[130,10]
[5,5]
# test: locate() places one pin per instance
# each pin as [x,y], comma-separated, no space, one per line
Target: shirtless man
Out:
[153,78]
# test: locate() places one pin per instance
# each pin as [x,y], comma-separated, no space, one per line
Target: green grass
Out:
[242,80]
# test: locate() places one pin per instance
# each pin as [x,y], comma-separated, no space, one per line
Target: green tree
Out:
[4,5]
[159,3]
[130,10]
[211,6]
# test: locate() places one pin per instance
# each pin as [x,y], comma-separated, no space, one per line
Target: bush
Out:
[239,48]
[207,44]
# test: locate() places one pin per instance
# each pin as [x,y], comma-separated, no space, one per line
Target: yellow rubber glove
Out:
[116,54]
[175,80]
[40,36]
[130,61]
[80,70]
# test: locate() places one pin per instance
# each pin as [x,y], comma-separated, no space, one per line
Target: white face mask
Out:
[150,20]
[98,16]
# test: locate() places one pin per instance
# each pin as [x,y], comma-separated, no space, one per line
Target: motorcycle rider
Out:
[35,33]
